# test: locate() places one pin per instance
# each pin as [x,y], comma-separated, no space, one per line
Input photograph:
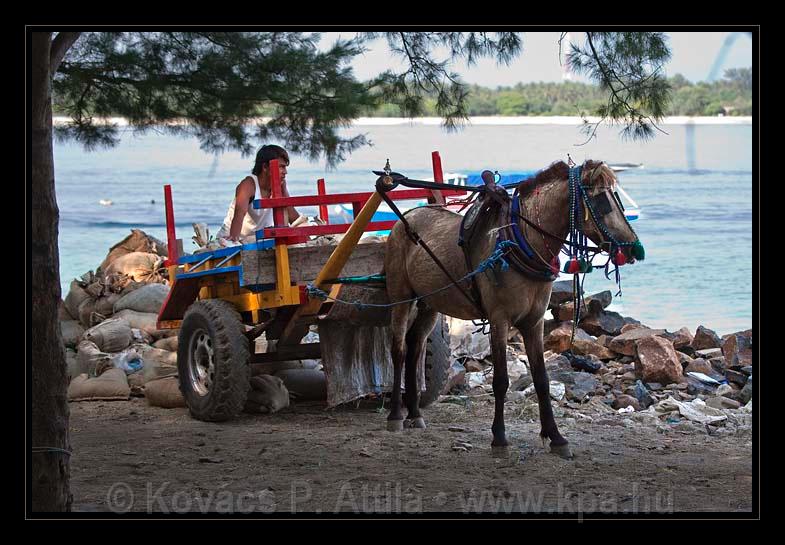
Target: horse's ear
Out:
[603,171]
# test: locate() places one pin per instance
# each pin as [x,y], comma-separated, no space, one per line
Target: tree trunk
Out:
[50,468]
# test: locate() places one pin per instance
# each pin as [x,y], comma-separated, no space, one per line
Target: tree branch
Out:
[60,46]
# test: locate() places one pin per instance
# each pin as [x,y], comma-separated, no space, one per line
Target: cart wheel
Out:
[437,362]
[212,361]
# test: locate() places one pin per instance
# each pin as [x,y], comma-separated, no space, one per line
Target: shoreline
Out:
[479,120]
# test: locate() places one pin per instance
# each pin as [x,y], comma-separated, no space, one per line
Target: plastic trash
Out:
[706,379]
[626,410]
[129,361]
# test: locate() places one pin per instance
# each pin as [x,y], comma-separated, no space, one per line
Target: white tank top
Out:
[254,220]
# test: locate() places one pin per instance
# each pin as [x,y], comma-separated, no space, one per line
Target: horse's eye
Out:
[601,204]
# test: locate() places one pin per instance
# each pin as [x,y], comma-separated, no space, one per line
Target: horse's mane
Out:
[594,173]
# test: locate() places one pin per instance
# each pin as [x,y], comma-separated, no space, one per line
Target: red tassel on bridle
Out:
[619,259]
[574,266]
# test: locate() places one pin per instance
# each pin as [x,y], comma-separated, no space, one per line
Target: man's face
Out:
[266,173]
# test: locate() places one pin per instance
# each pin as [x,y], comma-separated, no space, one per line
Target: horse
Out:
[558,201]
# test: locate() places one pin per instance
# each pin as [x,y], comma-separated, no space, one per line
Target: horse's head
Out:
[602,214]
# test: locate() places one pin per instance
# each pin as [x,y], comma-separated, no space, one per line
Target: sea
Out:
[694,189]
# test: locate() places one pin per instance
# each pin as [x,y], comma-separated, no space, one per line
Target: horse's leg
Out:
[416,339]
[400,318]
[532,340]
[499,330]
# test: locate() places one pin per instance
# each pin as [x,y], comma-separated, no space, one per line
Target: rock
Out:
[514,396]
[558,362]
[684,359]
[682,338]
[719,402]
[594,304]
[705,338]
[559,339]
[654,386]
[642,395]
[577,384]
[603,298]
[582,364]
[584,347]
[718,364]
[629,327]
[603,323]
[657,360]
[708,353]
[747,370]
[687,350]
[737,349]
[623,401]
[456,375]
[523,382]
[700,366]
[725,390]
[746,393]
[561,292]
[735,377]
[626,342]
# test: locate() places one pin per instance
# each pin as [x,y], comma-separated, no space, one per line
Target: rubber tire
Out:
[437,362]
[226,397]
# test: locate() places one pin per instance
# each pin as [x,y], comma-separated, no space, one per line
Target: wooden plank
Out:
[341,198]
[305,262]
[333,229]
[180,297]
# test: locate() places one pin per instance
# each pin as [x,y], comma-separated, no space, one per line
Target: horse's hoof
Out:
[564,451]
[395,425]
[500,451]
[418,423]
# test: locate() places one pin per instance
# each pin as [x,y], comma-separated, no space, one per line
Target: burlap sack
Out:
[164,392]
[141,266]
[112,335]
[73,368]
[91,359]
[304,384]
[76,295]
[105,305]
[72,333]
[146,321]
[167,343]
[112,385]
[62,313]
[137,241]
[148,299]
[157,363]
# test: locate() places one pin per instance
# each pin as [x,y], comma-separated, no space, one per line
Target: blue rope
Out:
[497,256]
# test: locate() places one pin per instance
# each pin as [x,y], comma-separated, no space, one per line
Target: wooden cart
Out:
[222,300]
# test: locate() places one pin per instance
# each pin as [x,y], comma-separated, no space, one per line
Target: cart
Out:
[223,300]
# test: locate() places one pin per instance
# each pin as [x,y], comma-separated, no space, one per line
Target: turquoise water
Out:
[695,192]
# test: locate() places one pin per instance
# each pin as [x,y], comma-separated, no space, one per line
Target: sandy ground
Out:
[130,457]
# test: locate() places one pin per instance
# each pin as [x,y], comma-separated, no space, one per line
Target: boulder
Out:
[560,293]
[657,360]
[737,349]
[700,366]
[708,353]
[594,304]
[559,339]
[603,323]
[683,337]
[626,342]
[629,327]
[705,338]
[587,347]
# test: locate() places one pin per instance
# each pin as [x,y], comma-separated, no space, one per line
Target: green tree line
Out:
[732,96]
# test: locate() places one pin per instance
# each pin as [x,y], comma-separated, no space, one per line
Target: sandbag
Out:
[86,309]
[141,266]
[137,241]
[72,333]
[146,321]
[105,305]
[62,313]
[91,359]
[167,343]
[164,392]
[148,298]
[112,385]
[157,363]
[113,335]
[76,295]
[266,395]
[304,384]
[73,368]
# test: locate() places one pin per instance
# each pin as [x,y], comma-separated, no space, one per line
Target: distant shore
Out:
[489,120]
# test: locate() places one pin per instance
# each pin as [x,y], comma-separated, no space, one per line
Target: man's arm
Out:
[245,191]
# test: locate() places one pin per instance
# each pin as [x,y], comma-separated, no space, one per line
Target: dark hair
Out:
[268,153]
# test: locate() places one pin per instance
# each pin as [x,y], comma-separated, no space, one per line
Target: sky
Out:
[693,55]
